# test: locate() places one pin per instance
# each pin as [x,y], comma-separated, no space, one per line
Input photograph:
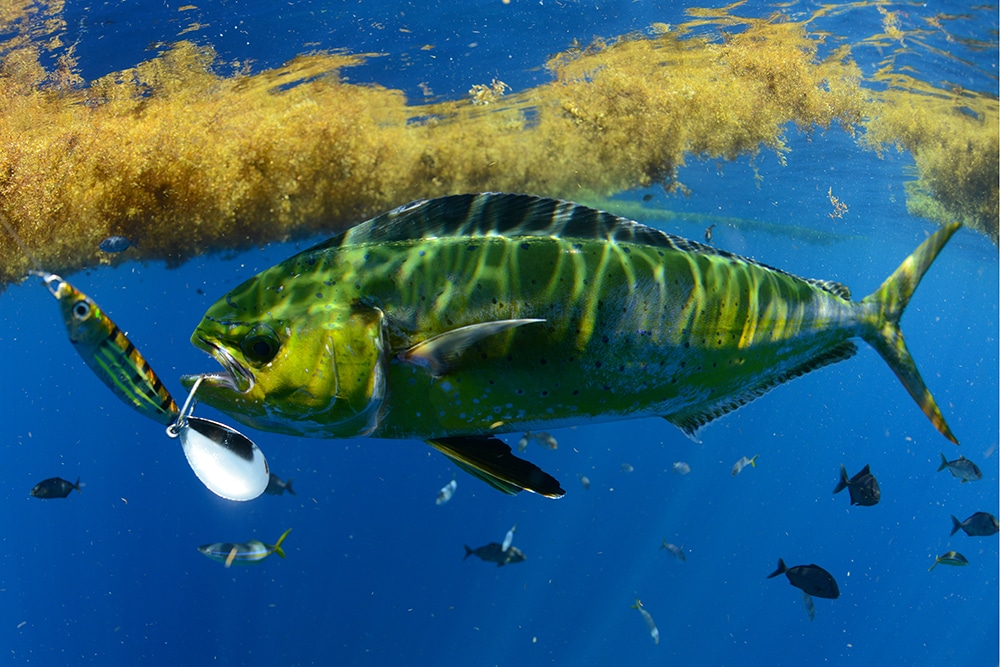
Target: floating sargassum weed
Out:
[109,352]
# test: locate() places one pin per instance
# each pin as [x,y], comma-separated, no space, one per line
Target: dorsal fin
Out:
[690,421]
[492,214]
[833,287]
[510,215]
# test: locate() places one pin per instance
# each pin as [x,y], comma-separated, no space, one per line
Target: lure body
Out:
[109,353]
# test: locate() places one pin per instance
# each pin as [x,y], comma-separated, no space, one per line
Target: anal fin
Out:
[692,419]
[492,461]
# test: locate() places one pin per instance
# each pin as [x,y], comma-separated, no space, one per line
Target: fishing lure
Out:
[227,462]
[109,353]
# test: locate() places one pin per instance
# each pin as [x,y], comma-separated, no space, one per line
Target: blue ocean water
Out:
[374,572]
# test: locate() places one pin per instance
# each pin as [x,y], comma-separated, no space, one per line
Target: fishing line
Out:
[176,428]
[20,243]
[47,278]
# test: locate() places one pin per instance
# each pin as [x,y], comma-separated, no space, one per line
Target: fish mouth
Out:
[236,377]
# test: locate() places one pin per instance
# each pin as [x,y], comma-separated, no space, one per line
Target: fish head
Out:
[874,492]
[293,363]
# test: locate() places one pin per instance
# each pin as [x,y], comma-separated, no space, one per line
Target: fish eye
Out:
[260,345]
[81,310]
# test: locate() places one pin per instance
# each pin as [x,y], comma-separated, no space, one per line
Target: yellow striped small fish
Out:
[243,553]
[109,352]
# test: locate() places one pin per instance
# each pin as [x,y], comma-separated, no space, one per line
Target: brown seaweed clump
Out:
[185,156]
[954,138]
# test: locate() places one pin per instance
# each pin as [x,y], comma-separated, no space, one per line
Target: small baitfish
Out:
[949,558]
[115,244]
[243,553]
[648,618]
[508,539]
[55,487]
[675,551]
[810,579]
[963,468]
[446,492]
[863,487]
[495,553]
[455,319]
[980,524]
[276,487]
[543,438]
[743,463]
[807,600]
[109,353]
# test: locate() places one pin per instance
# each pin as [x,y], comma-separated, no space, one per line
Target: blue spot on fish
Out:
[115,244]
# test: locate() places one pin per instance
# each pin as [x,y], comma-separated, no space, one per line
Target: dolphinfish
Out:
[455,319]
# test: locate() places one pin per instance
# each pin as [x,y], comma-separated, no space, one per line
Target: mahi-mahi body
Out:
[454,319]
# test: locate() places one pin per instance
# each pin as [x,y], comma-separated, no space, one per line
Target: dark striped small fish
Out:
[109,352]
[55,487]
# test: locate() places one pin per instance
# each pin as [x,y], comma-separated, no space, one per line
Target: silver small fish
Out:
[653,631]
[963,468]
[743,463]
[446,492]
[508,539]
[543,438]
[807,600]
[676,551]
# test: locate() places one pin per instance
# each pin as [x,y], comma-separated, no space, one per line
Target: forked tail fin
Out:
[844,480]
[277,545]
[884,333]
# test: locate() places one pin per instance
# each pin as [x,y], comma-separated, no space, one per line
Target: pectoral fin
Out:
[492,461]
[439,353]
